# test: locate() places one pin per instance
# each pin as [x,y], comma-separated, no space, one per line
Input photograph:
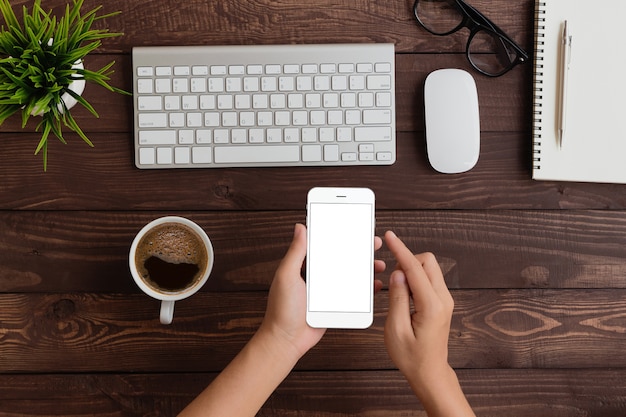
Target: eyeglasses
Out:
[490,51]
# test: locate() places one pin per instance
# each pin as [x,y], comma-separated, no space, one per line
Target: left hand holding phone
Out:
[286,306]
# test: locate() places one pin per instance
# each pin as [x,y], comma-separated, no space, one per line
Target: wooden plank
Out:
[87,251]
[119,333]
[516,393]
[104,178]
[267,22]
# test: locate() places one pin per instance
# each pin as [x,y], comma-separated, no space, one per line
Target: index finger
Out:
[417,278]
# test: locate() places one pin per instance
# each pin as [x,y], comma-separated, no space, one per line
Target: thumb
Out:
[399,301]
[297,251]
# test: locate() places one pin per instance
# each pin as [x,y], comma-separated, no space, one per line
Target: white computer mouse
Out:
[452,121]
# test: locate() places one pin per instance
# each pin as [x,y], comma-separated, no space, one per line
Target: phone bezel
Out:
[343,320]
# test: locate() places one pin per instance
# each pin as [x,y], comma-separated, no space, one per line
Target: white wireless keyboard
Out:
[264,105]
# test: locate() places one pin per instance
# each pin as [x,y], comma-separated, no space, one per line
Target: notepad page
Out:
[594,148]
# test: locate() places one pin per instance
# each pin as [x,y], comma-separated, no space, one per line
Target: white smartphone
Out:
[340,257]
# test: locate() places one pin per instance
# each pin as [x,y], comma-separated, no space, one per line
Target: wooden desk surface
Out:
[538,269]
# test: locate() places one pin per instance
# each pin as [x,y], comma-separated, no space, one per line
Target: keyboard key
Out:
[339,82]
[145,71]
[257,154]
[149,103]
[181,70]
[251,84]
[331,153]
[309,69]
[372,134]
[304,83]
[327,68]
[157,137]
[383,156]
[182,155]
[198,85]
[201,155]
[346,68]
[194,119]
[152,120]
[172,102]
[256,135]
[239,136]
[236,70]
[146,156]
[366,156]
[177,120]
[180,85]
[163,85]
[163,71]
[190,102]
[382,67]
[348,156]
[268,84]
[376,116]
[379,82]
[203,136]
[291,68]
[285,84]
[254,69]
[383,99]
[273,69]
[364,67]
[233,85]
[327,134]
[216,85]
[311,153]
[164,156]
[321,83]
[218,69]
[357,82]
[200,70]
[185,137]
[291,135]
[144,86]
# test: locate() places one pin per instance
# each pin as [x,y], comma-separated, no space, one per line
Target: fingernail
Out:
[397,277]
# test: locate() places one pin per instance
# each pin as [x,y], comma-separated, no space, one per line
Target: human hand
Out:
[285,317]
[417,343]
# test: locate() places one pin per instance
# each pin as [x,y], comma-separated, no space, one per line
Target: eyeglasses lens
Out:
[438,16]
[491,53]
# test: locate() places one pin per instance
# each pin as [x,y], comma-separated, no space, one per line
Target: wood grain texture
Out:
[213,22]
[88,251]
[104,178]
[490,329]
[553,393]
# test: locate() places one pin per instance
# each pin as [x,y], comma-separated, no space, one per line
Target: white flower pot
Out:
[77,86]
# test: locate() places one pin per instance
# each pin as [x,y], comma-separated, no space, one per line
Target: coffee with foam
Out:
[171,257]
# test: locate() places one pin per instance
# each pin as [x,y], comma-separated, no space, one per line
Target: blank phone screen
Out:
[340,257]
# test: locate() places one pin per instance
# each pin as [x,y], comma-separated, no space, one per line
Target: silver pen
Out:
[566,55]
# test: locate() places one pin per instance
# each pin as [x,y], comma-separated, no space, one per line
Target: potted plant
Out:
[41,67]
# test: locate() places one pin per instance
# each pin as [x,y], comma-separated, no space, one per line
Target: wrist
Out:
[277,346]
[440,392]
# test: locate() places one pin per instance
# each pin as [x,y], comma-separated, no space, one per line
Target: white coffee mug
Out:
[169,297]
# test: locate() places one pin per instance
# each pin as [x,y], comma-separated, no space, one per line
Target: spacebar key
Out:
[256,154]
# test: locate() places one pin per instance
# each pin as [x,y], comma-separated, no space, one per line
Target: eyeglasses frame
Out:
[475,21]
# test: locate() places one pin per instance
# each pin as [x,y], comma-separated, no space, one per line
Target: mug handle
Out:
[167,311]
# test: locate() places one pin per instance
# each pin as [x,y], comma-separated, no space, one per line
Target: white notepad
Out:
[595,136]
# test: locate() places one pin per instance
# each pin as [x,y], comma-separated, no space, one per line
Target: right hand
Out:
[417,342]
